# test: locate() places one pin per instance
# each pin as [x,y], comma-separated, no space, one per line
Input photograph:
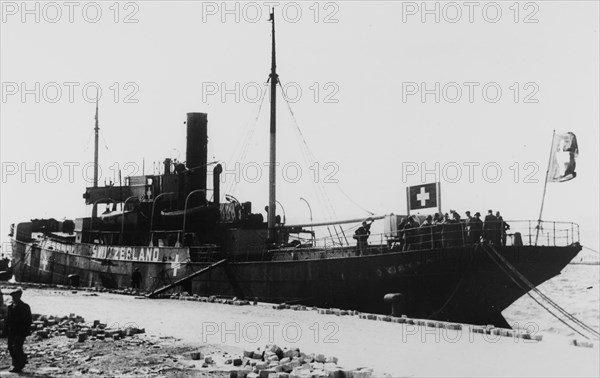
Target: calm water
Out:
[576,289]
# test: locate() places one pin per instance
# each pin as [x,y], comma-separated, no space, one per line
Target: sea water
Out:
[576,289]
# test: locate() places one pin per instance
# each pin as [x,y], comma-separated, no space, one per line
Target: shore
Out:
[389,348]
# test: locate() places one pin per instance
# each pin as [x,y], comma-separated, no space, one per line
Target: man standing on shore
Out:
[16,328]
[136,278]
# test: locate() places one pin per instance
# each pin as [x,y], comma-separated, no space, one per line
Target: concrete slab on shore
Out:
[387,347]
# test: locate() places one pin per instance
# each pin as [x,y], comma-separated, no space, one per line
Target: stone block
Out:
[264,373]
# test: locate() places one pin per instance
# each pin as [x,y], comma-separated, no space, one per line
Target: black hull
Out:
[460,284]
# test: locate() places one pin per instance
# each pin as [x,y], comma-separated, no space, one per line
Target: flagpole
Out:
[408,201]
[539,225]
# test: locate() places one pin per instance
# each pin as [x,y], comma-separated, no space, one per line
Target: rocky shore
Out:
[69,346]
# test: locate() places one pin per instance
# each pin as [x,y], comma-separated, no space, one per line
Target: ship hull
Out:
[461,284]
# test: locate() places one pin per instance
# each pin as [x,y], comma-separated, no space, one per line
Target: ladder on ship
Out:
[186,278]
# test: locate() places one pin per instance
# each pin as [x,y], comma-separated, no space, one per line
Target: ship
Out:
[169,232]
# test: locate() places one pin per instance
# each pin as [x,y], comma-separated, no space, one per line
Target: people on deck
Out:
[503,227]
[490,227]
[401,236]
[444,230]
[411,236]
[438,221]
[466,224]
[475,228]
[426,233]
[362,235]
[449,230]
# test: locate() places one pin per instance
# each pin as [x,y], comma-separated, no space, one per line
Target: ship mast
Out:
[274,78]
[96,132]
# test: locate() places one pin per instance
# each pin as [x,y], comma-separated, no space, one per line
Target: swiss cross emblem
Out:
[44,260]
[176,265]
[423,196]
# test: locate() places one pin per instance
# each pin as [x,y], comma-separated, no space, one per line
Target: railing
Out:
[520,233]
[553,234]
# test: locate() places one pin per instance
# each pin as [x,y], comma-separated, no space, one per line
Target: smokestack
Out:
[217,183]
[197,151]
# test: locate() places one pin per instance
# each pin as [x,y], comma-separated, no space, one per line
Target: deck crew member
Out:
[457,229]
[362,235]
[490,227]
[437,230]
[503,227]
[475,228]
[450,230]
[411,236]
[426,233]
[466,223]
[401,233]
[16,328]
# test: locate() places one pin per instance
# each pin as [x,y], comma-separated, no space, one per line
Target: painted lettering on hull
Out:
[147,254]
[56,246]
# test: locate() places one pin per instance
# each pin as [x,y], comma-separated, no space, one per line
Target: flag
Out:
[562,158]
[422,196]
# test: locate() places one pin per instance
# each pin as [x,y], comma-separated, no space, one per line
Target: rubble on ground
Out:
[68,345]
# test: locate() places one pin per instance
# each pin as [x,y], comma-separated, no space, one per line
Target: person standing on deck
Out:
[426,233]
[437,230]
[490,227]
[411,235]
[466,224]
[16,328]
[502,228]
[401,233]
[475,228]
[362,235]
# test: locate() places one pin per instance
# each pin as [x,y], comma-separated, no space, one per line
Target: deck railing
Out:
[517,232]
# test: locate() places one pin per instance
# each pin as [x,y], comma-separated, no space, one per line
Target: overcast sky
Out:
[380,89]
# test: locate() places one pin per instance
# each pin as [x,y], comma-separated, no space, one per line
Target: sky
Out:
[386,95]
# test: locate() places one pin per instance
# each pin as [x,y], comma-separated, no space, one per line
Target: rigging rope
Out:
[244,145]
[310,160]
[103,140]
[590,249]
[527,286]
